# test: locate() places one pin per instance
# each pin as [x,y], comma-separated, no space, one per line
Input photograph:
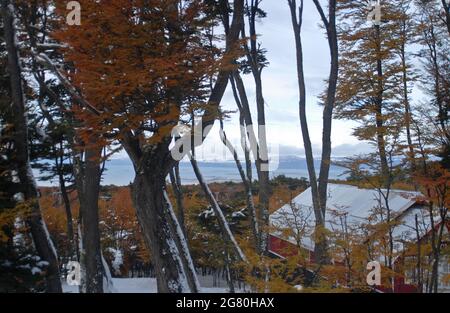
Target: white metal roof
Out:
[356,204]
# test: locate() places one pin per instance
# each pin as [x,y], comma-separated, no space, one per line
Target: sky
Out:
[281,91]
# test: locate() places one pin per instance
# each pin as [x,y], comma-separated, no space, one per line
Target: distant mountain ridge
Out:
[120,172]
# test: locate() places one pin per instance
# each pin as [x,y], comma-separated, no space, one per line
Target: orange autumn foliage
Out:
[136,62]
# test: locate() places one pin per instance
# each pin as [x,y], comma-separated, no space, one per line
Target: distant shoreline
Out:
[120,172]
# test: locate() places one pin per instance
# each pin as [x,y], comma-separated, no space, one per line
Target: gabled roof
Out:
[356,204]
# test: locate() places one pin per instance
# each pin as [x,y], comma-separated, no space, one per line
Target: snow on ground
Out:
[137,285]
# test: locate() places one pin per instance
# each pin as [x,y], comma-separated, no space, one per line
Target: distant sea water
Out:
[120,171]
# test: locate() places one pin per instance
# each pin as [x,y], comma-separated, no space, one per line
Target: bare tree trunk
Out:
[262,157]
[178,192]
[434,273]
[88,194]
[68,210]
[260,164]
[229,272]
[163,236]
[390,254]
[245,181]
[182,245]
[320,247]
[446,7]
[407,106]
[39,232]
[81,256]
[152,212]
[223,224]
[436,253]
[325,163]
[379,118]
[419,255]
[67,206]
[258,145]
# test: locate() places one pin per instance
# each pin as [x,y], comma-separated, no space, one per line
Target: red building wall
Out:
[286,249]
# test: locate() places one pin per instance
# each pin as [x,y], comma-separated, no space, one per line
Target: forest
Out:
[83,82]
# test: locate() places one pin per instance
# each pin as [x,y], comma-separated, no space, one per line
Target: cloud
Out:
[345,150]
